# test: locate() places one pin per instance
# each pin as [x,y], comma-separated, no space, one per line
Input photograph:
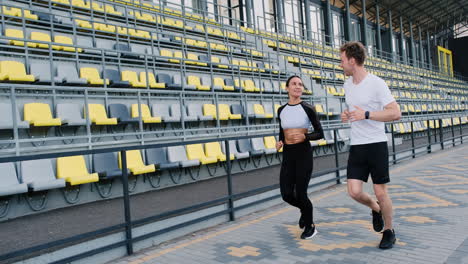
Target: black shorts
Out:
[368,159]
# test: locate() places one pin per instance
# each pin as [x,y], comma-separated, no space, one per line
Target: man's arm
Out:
[391,112]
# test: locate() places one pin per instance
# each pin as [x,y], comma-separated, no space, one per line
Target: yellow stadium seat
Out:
[81,4]
[110,10]
[168,53]
[258,109]
[210,110]
[145,114]
[218,62]
[104,27]
[195,152]
[215,31]
[41,37]
[270,143]
[73,169]
[213,149]
[135,163]
[152,80]
[224,110]
[39,114]
[97,7]
[14,71]
[83,23]
[122,30]
[194,60]
[98,115]
[139,33]
[67,41]
[217,81]
[132,78]
[65,2]
[13,11]
[15,33]
[195,80]
[92,76]
[249,86]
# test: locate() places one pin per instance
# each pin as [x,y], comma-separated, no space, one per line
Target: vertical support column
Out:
[390,32]
[379,36]
[126,198]
[307,20]
[248,11]
[402,37]
[216,11]
[337,160]
[347,22]
[229,181]
[279,15]
[421,55]
[328,24]
[428,42]
[411,46]
[364,24]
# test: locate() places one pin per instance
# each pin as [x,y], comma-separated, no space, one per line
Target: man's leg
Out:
[356,192]
[381,192]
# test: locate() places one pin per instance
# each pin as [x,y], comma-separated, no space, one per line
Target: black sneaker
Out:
[309,232]
[388,239]
[377,221]
[301,222]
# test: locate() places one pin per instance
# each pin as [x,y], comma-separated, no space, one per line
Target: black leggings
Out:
[296,170]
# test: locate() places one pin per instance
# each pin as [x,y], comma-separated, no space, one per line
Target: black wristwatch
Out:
[367,114]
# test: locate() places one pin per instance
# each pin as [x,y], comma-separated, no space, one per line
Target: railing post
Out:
[128,221]
[412,140]
[229,181]
[393,144]
[461,130]
[429,140]
[453,131]
[441,132]
[337,162]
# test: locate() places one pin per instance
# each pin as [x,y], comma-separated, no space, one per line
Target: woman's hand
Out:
[279,145]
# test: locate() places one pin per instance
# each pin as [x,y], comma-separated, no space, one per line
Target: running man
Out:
[369,104]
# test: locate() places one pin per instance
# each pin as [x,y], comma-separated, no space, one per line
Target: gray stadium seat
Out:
[41,70]
[9,184]
[175,112]
[168,80]
[158,157]
[70,114]
[207,81]
[106,166]
[178,154]
[243,145]
[6,122]
[259,145]
[233,150]
[115,78]
[120,111]
[46,17]
[328,135]
[163,111]
[196,111]
[68,75]
[39,175]
[251,113]
[267,86]
[237,109]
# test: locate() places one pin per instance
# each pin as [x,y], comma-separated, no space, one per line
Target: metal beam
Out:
[364,24]
[347,21]
[379,37]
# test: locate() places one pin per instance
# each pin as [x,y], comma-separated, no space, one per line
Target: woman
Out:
[295,119]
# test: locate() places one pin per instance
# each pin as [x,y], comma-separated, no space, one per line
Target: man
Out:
[370,104]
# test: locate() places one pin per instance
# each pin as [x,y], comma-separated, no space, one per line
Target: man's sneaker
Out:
[377,221]
[309,232]
[301,222]
[388,239]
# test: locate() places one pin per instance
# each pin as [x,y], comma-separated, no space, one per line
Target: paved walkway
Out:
[430,197]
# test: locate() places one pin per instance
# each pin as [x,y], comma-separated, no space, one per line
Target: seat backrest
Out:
[112,75]
[176,154]
[72,166]
[68,111]
[12,67]
[258,109]
[122,47]
[209,110]
[37,111]
[156,155]
[193,80]
[96,111]
[206,80]
[237,109]
[37,170]
[270,142]
[175,110]
[257,143]
[9,176]
[105,162]
[130,76]
[243,145]
[195,151]
[7,116]
[145,112]
[194,110]
[68,71]
[229,82]
[41,69]
[163,78]
[232,147]
[213,149]
[134,159]
[217,81]
[90,73]
[119,111]
[40,36]
[161,110]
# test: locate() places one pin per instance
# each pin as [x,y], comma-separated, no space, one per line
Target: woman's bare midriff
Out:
[290,132]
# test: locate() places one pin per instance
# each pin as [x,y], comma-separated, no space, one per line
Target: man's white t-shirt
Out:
[371,94]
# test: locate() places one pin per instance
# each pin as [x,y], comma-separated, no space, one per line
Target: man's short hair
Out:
[356,50]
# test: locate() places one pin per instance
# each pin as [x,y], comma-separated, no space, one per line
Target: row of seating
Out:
[39,175]
[418,126]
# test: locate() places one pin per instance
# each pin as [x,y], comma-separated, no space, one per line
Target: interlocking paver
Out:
[430,196]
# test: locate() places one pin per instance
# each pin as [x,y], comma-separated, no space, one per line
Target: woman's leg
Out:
[303,174]
[288,180]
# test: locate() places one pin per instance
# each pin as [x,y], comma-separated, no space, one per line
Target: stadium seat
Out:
[107,166]
[193,60]
[195,151]
[195,81]
[39,175]
[15,33]
[14,71]
[40,36]
[213,149]
[244,145]
[10,185]
[146,115]
[70,114]
[179,155]
[159,158]
[68,75]
[98,115]
[115,79]
[120,111]
[217,62]
[6,122]
[230,83]
[233,150]
[152,80]
[195,112]
[68,44]
[270,144]
[132,78]
[224,110]
[92,76]
[219,82]
[168,81]
[259,110]
[13,11]
[135,163]
[210,110]
[74,170]
[259,145]
[163,111]
[39,114]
